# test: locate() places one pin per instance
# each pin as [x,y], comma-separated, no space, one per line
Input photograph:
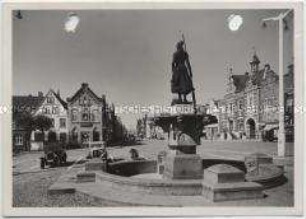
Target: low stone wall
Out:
[132,167]
[151,186]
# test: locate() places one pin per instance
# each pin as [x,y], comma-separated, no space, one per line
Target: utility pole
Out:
[281,148]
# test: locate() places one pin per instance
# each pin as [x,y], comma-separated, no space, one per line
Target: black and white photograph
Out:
[154,107]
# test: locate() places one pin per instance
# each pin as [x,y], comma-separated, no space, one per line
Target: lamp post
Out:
[281,148]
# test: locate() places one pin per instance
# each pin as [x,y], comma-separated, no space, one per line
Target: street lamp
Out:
[281,151]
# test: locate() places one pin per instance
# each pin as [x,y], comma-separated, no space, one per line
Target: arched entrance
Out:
[95,135]
[251,129]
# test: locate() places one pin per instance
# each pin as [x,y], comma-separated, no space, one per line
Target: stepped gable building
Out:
[54,107]
[250,105]
[85,120]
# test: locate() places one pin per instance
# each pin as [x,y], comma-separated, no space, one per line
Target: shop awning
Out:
[270,127]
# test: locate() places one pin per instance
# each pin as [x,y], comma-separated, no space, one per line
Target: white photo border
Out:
[6,96]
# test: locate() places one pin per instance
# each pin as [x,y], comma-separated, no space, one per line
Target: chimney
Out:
[40,94]
[58,92]
[84,85]
[103,100]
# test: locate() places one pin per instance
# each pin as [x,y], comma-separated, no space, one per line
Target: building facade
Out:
[146,129]
[249,108]
[55,108]
[85,111]
[84,117]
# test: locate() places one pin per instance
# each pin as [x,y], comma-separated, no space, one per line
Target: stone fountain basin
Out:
[136,182]
[142,176]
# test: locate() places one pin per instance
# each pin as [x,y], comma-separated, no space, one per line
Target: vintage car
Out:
[54,155]
[270,135]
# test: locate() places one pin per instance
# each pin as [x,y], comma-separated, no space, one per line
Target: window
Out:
[53,122]
[233,106]
[39,136]
[85,101]
[74,136]
[63,137]
[85,115]
[18,139]
[52,136]
[54,110]
[94,115]
[240,104]
[74,116]
[96,135]
[45,110]
[62,123]
[50,100]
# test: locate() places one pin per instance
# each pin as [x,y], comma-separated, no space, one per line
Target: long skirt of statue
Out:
[181,81]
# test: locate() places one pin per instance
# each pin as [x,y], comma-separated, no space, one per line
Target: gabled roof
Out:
[64,104]
[259,76]
[57,96]
[29,103]
[240,82]
[82,89]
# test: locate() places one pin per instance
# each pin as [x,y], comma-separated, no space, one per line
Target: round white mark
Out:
[234,22]
[72,23]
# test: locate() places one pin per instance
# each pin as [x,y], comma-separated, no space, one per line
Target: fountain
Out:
[179,176]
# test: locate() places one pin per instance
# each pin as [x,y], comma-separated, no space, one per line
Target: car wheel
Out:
[56,161]
[42,163]
[64,158]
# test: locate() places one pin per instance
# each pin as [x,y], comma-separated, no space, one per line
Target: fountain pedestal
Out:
[184,128]
[183,166]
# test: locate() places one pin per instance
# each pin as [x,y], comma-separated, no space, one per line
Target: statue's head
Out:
[180,45]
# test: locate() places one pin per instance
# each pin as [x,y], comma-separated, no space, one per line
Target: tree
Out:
[42,123]
[29,123]
[24,121]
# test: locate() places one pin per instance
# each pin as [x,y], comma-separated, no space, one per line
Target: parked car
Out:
[54,155]
[270,135]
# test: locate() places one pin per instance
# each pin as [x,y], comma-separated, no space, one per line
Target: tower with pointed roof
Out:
[254,64]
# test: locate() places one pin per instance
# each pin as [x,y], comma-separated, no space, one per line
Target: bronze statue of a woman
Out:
[181,82]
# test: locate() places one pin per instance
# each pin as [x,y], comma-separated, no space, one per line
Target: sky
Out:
[127,54]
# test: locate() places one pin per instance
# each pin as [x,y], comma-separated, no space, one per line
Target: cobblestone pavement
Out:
[30,183]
